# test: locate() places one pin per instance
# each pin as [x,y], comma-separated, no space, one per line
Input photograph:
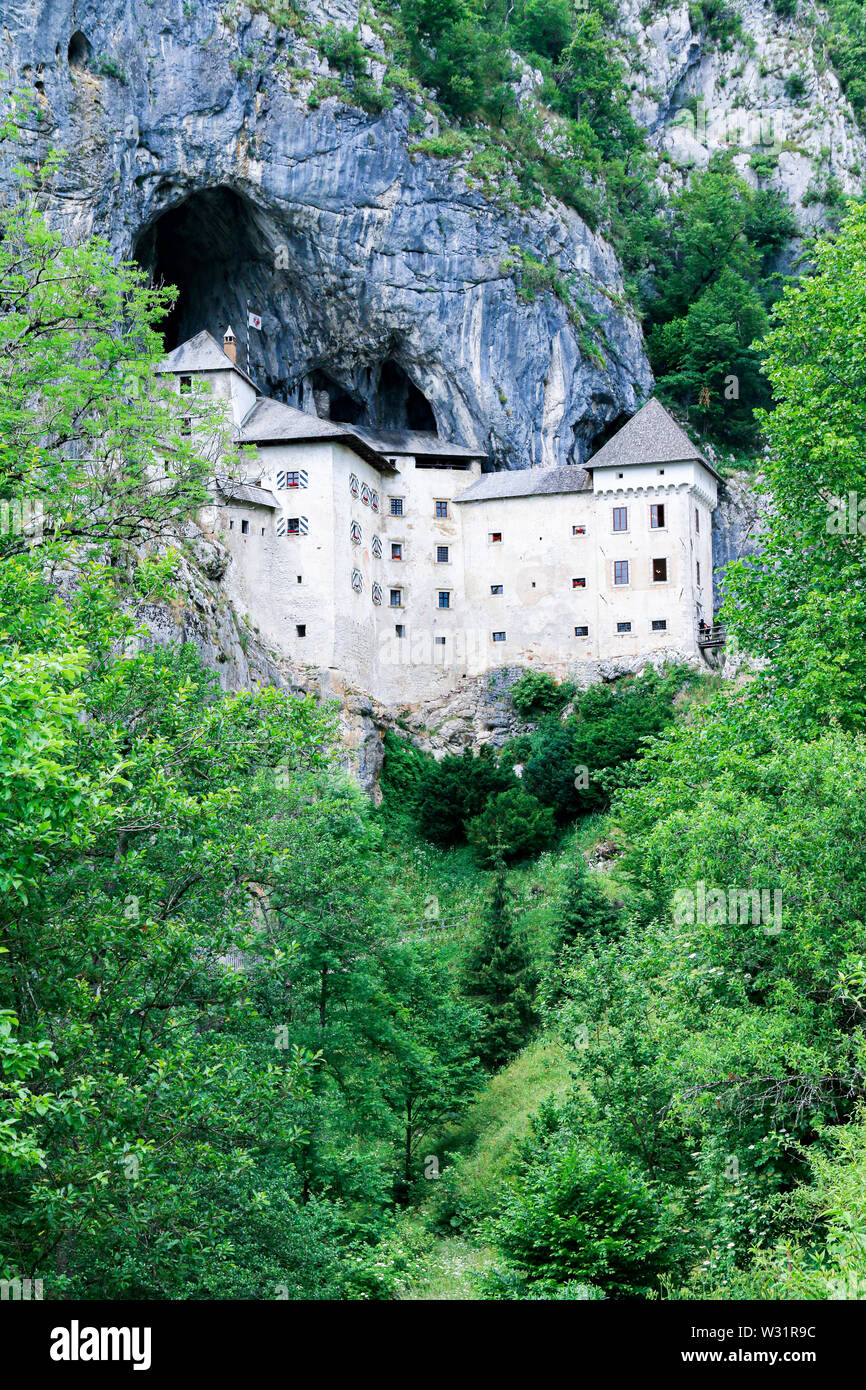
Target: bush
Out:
[795,86]
[537,691]
[512,823]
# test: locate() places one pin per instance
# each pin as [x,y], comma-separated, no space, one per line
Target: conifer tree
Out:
[501,979]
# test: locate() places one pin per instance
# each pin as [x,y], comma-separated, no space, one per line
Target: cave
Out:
[79,51]
[225,257]
[205,247]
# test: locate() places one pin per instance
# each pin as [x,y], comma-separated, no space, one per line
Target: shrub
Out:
[536,690]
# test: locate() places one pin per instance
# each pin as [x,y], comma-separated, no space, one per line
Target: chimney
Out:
[230,347]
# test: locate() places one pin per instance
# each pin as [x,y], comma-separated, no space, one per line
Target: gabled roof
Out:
[201,354]
[651,436]
[417,443]
[246,492]
[527,482]
[272,422]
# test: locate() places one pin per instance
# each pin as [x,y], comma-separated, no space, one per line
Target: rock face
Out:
[697,95]
[378,273]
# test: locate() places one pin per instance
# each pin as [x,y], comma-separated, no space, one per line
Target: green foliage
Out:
[513,824]
[500,978]
[536,691]
[719,20]
[795,86]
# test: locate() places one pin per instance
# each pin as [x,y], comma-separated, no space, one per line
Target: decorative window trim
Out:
[377,547]
[283,526]
[365,494]
[354,485]
[377,594]
[355,532]
[374,500]
[357,581]
[284,476]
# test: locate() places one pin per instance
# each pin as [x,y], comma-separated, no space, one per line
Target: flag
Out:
[254,321]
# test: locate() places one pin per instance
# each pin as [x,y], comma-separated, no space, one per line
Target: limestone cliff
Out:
[381,275]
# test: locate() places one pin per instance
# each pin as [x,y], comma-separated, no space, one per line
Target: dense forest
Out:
[502,1037]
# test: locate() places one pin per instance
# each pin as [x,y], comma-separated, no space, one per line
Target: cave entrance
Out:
[385,398]
[206,247]
[400,404]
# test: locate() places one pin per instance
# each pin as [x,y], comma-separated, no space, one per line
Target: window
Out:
[377,594]
[698,564]
[440,641]
[354,485]
[496,588]
[623,627]
[355,533]
[657,515]
[231,526]
[301,629]
[578,530]
[245,528]
[660,571]
[620,571]
[444,598]
[396,550]
[578,583]
[581,632]
[293,526]
[396,598]
[399,630]
[697,520]
[620,518]
[499,636]
[495,537]
[365,494]
[298,478]
[396,506]
[659,624]
[440,509]
[357,581]
[374,500]
[186,425]
[442,555]
[185,385]
[300,579]
[377,547]
[661,472]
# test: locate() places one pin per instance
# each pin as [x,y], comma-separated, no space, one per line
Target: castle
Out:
[392,559]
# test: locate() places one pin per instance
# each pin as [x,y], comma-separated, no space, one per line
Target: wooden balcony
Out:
[711,635]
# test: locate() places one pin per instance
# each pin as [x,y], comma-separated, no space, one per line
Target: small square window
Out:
[660,571]
[444,598]
[495,537]
[659,625]
[578,530]
[657,516]
[301,629]
[293,480]
[293,526]
[620,571]
[396,598]
[440,509]
[581,632]
[496,589]
[396,550]
[661,472]
[440,641]
[245,527]
[619,475]
[399,630]
[185,385]
[620,518]
[578,583]
[442,555]
[623,627]
[499,636]
[396,506]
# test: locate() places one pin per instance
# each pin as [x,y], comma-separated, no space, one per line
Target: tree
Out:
[500,978]
[512,825]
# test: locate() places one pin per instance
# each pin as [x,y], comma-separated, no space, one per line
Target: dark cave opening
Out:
[608,431]
[217,249]
[204,247]
[79,50]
